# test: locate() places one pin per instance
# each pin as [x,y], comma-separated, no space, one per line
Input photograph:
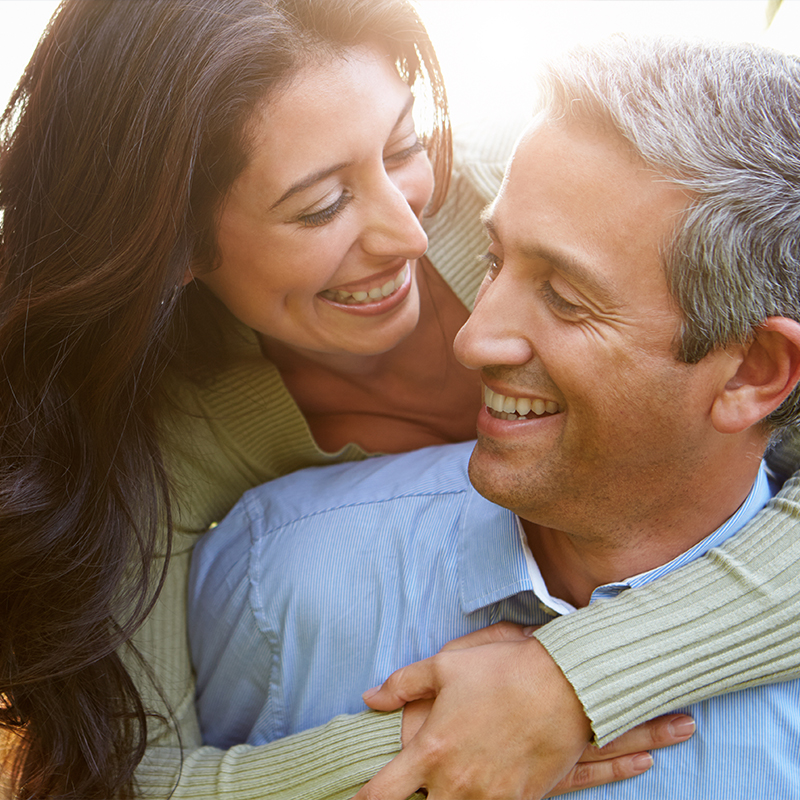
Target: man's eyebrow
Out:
[564,263]
[321,174]
[486,221]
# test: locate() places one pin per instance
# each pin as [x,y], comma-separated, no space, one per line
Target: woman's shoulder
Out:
[481,150]
[230,430]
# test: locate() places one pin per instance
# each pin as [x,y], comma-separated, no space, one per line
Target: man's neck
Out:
[573,564]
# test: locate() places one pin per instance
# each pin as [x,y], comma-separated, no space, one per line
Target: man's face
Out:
[575,320]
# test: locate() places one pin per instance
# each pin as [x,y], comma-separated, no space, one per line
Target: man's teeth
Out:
[517,407]
[377,293]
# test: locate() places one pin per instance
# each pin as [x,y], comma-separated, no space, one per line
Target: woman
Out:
[149,377]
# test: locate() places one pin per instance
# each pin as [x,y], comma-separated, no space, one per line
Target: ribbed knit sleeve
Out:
[722,623]
[327,763]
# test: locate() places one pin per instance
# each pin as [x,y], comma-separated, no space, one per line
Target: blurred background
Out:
[490,49]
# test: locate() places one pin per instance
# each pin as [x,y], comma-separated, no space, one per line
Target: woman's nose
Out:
[394,227]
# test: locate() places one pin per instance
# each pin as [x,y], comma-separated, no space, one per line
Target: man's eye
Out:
[492,264]
[557,302]
[318,218]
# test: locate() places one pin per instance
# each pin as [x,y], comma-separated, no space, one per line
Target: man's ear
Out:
[767,373]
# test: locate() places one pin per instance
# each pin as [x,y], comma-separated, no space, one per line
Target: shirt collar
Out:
[495,561]
[491,557]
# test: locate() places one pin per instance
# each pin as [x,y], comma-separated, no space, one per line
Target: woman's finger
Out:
[499,632]
[584,775]
[659,732]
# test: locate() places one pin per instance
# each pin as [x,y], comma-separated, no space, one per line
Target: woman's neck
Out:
[413,396]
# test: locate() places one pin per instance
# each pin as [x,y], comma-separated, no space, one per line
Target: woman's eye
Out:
[318,218]
[558,303]
[405,155]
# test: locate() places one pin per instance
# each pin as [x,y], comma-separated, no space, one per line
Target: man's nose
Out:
[495,334]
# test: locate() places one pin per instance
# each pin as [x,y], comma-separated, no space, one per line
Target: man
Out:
[638,339]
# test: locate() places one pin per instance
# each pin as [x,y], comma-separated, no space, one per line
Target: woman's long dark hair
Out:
[118,147]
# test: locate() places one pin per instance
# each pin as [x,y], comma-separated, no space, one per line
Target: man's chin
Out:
[492,476]
[515,481]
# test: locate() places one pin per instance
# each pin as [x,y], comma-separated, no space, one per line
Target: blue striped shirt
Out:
[320,584]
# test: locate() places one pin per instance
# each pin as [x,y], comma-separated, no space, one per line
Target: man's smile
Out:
[505,407]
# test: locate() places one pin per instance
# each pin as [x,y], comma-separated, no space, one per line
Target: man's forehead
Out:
[591,170]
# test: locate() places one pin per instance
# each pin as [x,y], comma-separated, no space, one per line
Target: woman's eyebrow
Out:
[321,174]
[308,181]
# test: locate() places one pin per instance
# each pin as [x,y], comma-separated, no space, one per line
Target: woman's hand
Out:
[627,755]
[505,724]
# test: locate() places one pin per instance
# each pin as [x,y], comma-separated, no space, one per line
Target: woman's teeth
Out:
[511,408]
[376,293]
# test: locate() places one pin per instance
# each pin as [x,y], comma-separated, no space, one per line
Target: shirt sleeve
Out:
[234,657]
[725,622]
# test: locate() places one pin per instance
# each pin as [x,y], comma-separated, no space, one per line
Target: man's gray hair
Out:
[724,121]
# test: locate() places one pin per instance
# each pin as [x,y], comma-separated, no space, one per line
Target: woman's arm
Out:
[327,763]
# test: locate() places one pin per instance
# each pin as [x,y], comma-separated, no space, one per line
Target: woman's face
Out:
[320,234]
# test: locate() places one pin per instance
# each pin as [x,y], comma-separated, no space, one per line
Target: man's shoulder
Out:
[314,491]
[381,482]
[330,520]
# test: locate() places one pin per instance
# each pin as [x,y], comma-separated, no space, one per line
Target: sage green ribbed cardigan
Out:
[675,641]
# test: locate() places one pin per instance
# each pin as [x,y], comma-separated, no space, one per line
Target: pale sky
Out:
[490,49]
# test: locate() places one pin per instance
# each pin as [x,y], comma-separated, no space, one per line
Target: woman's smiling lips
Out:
[376,296]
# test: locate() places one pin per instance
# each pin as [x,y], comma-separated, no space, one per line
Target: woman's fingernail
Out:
[530,630]
[642,762]
[682,727]
[370,692]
